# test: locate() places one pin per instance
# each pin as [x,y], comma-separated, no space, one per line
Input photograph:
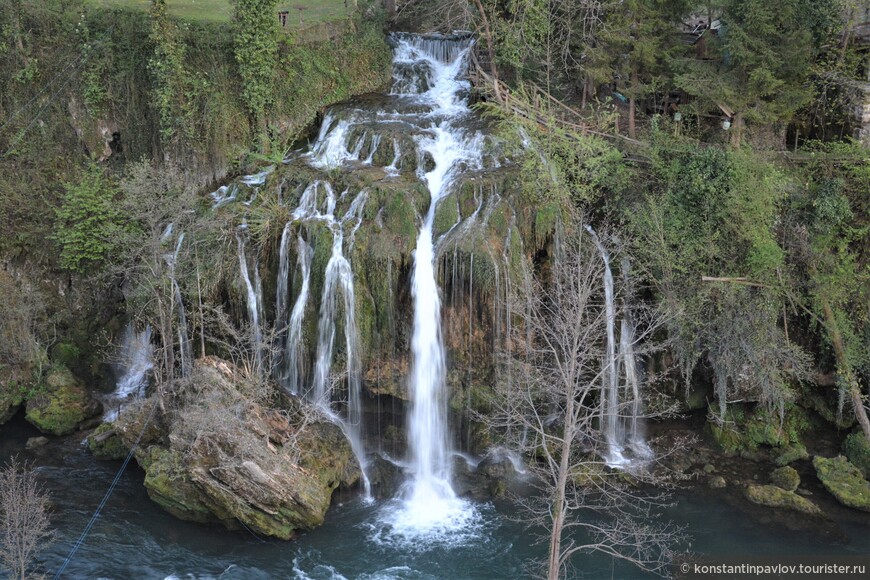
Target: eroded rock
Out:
[226,455]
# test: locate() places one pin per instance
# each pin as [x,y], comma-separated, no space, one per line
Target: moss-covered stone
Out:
[773,496]
[169,486]
[844,481]
[446,215]
[857,450]
[62,405]
[105,443]
[786,478]
[791,453]
[745,428]
[229,458]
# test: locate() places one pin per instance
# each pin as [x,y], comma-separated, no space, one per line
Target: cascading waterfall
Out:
[291,372]
[636,439]
[612,419]
[136,359]
[429,502]
[254,294]
[185,348]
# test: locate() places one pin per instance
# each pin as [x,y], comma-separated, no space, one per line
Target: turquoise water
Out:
[134,538]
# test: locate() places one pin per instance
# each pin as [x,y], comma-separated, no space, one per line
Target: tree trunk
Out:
[844,369]
[554,564]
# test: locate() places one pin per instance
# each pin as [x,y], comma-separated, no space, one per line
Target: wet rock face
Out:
[62,405]
[844,481]
[232,458]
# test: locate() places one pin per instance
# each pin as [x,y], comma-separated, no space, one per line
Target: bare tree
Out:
[24,525]
[550,408]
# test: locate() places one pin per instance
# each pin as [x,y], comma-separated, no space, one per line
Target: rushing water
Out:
[135,361]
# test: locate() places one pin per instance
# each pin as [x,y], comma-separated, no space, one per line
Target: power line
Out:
[112,487]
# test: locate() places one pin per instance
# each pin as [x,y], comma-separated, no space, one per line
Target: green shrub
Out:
[87,221]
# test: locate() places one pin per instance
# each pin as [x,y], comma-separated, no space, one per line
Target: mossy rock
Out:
[776,497]
[791,453]
[844,481]
[104,443]
[10,401]
[786,478]
[62,405]
[169,486]
[745,429]
[857,450]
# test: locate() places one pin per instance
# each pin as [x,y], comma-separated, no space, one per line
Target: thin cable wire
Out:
[54,95]
[112,487]
[37,95]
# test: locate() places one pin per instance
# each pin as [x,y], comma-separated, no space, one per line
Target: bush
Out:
[87,221]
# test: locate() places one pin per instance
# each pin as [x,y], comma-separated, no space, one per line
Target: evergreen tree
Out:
[761,56]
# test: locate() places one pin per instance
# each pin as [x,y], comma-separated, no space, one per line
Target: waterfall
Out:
[430,504]
[134,362]
[612,420]
[185,349]
[636,439]
[254,300]
[291,373]
[282,295]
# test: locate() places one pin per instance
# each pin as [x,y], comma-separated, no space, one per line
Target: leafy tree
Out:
[87,221]
[706,233]
[760,60]
[828,227]
[637,40]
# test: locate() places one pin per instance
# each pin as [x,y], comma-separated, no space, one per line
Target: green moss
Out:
[546,218]
[168,486]
[791,453]
[110,448]
[786,478]
[446,215]
[773,496]
[63,404]
[857,449]
[844,481]
[65,353]
[745,429]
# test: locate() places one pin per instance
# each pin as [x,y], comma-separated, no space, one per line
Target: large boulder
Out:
[62,404]
[844,481]
[776,497]
[223,453]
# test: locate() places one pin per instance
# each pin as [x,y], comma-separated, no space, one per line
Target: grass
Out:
[301,12]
